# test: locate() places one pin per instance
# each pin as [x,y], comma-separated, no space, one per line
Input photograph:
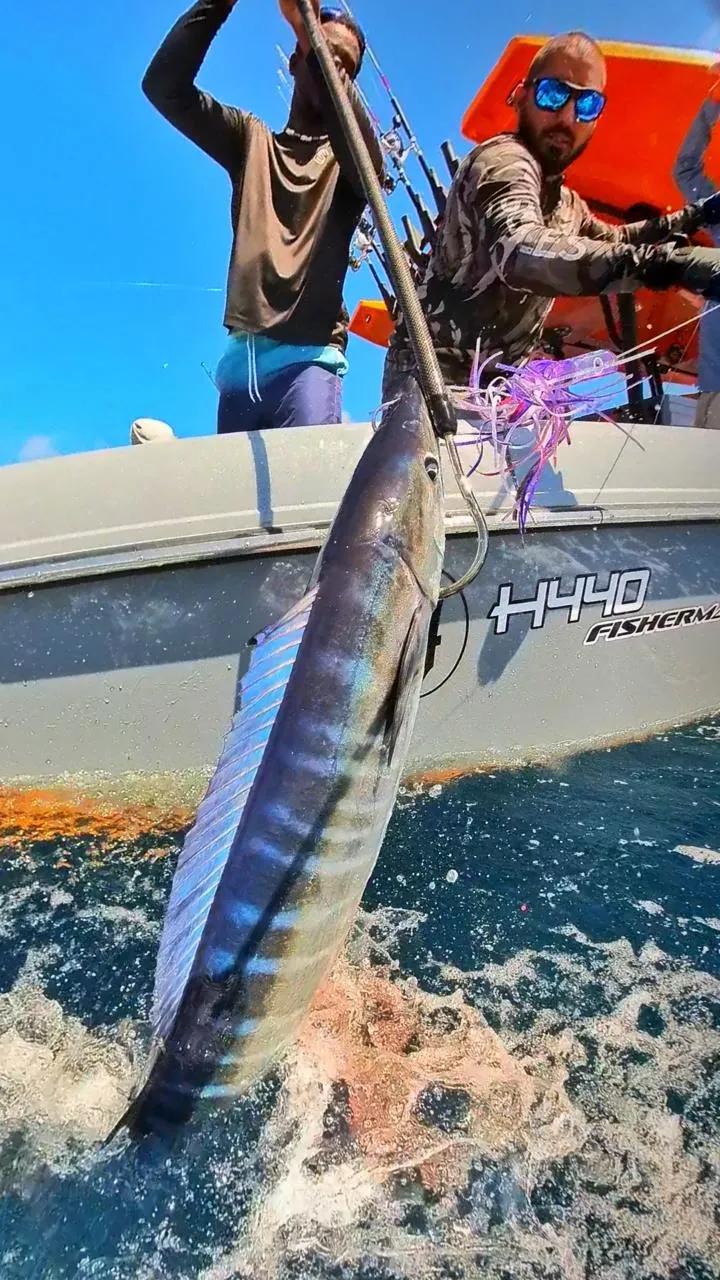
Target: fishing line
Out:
[695,320]
[146,284]
[483,534]
[466,637]
[644,348]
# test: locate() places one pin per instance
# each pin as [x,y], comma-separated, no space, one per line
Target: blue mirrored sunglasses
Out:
[553,95]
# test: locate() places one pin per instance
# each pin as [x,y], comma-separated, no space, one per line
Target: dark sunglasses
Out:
[552,95]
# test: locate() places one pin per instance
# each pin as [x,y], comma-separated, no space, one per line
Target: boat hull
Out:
[123,656]
[139,672]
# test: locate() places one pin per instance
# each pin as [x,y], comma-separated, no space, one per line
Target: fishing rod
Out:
[440,406]
[399,142]
[401,122]
[395,155]
[284,76]
[430,377]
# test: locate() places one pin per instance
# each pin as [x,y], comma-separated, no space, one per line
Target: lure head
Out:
[555,373]
[593,364]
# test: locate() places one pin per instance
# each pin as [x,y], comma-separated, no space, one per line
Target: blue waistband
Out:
[250,359]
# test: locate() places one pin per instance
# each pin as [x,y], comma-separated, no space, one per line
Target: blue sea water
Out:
[572,912]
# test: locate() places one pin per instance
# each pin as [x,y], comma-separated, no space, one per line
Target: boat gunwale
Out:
[181,552]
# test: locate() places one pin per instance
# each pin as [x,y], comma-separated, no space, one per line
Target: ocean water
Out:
[514,1072]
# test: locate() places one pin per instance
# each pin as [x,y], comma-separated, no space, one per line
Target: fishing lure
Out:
[524,412]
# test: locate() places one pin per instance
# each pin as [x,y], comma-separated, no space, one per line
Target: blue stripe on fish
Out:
[264,849]
[261,965]
[207,846]
[284,920]
[245,913]
[218,1090]
[220,963]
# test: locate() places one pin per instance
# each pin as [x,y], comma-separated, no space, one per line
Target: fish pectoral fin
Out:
[412,657]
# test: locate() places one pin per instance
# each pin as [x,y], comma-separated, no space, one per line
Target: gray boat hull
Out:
[131,580]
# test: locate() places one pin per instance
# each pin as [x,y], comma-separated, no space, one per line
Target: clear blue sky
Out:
[115,230]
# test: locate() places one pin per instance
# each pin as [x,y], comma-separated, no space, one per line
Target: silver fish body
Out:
[271,875]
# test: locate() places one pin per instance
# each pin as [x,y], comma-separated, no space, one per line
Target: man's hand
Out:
[663,266]
[291,14]
[701,271]
[709,209]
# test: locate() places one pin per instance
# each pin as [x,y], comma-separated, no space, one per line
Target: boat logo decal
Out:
[624,628]
[624,593]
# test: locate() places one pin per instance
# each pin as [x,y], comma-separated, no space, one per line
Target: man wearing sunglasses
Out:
[296,203]
[514,236]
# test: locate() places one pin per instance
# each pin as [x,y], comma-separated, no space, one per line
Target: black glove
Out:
[709,210]
[664,266]
[702,213]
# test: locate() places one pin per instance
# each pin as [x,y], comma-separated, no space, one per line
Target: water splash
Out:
[479,1091]
[61,1085]
[551,1152]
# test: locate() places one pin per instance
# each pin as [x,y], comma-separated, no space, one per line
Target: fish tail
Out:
[126,1123]
[158,1110]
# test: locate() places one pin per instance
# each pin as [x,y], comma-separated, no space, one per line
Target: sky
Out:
[116,230]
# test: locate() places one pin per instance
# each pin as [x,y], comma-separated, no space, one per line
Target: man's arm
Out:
[504,194]
[503,197]
[683,222]
[689,172]
[169,84]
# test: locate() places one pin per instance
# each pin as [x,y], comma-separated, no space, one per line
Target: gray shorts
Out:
[707,412]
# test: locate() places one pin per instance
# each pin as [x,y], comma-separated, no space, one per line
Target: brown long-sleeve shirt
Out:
[296,202]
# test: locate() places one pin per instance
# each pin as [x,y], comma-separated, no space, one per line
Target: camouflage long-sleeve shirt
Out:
[510,241]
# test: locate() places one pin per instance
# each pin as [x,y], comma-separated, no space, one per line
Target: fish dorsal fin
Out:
[207,845]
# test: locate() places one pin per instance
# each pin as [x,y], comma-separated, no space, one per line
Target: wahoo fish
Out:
[271,875]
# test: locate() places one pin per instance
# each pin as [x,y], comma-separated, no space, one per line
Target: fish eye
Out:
[432,466]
